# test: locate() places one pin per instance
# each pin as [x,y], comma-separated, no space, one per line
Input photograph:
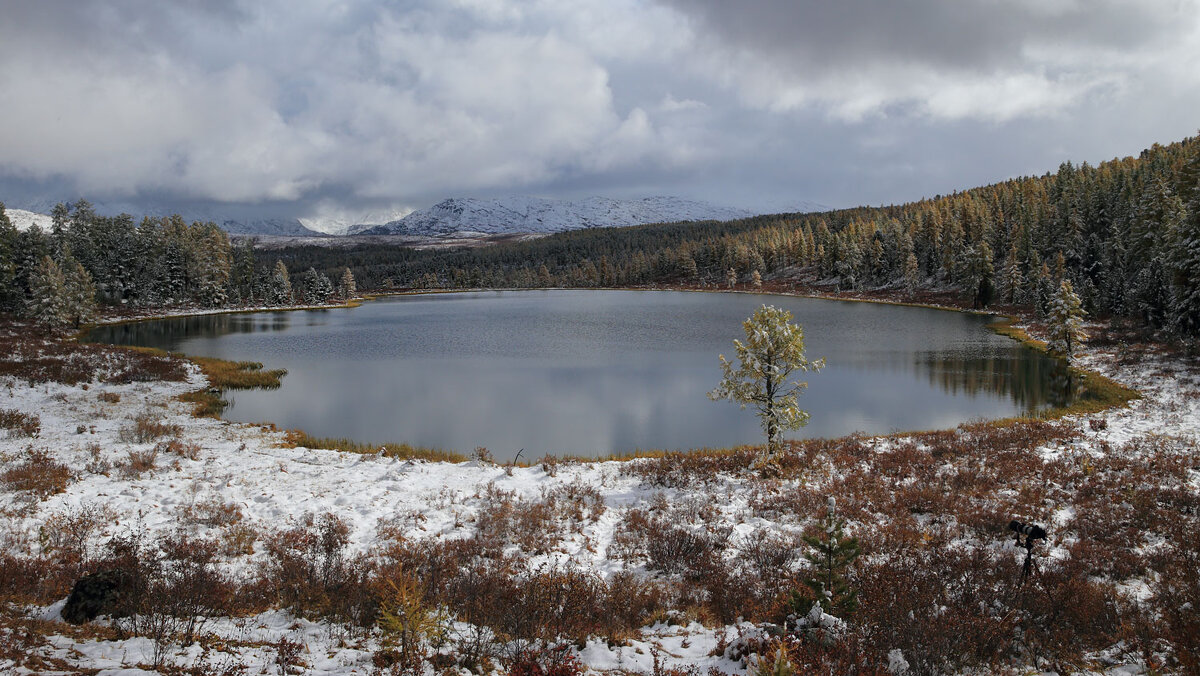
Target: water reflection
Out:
[600,372]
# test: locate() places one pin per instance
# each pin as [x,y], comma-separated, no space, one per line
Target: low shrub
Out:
[38,474]
[20,424]
[147,427]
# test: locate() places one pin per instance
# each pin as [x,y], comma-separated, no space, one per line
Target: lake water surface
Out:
[599,372]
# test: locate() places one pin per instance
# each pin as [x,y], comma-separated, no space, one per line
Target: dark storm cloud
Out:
[305,107]
[972,35]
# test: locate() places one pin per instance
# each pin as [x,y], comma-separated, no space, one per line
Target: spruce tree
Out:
[47,295]
[1184,242]
[280,285]
[9,296]
[79,293]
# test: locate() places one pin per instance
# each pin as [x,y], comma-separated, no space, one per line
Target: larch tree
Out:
[346,285]
[772,353]
[1066,322]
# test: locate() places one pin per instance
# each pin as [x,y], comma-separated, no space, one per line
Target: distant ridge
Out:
[36,212]
[537,215]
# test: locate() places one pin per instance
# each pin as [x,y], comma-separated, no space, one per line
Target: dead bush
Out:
[139,462]
[238,540]
[308,566]
[147,427]
[186,449]
[68,535]
[109,397]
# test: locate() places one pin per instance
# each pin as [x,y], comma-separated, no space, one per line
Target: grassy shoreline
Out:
[1098,392]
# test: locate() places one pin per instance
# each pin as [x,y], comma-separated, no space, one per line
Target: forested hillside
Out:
[1126,233]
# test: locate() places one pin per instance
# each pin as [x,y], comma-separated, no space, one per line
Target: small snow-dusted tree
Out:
[346,285]
[47,294]
[773,351]
[1066,322]
[756,279]
[731,277]
[830,556]
[280,285]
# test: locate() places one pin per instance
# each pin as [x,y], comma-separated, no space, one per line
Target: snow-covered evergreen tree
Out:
[730,277]
[1066,322]
[912,273]
[79,293]
[756,279]
[1184,241]
[315,287]
[47,295]
[9,296]
[208,264]
[1012,280]
[279,288]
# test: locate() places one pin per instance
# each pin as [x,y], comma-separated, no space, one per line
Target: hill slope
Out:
[532,214]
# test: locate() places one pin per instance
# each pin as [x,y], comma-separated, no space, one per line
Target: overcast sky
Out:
[308,108]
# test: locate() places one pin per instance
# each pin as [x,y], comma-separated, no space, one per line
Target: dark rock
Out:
[95,594]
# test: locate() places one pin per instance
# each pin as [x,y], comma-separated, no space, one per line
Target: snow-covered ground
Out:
[23,220]
[254,470]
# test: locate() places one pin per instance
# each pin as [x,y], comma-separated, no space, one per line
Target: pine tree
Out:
[756,279]
[773,351]
[280,285]
[830,556]
[346,286]
[1066,322]
[731,277]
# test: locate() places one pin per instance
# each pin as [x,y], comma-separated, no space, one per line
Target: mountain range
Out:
[454,216]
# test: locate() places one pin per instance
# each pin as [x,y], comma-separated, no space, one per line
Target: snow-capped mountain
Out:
[23,220]
[342,223]
[533,214]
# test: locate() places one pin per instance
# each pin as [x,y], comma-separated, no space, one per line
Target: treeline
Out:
[1126,234]
[59,276]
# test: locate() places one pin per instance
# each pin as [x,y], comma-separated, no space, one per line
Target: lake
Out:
[599,372]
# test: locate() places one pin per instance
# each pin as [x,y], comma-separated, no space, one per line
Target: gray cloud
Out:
[296,107]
